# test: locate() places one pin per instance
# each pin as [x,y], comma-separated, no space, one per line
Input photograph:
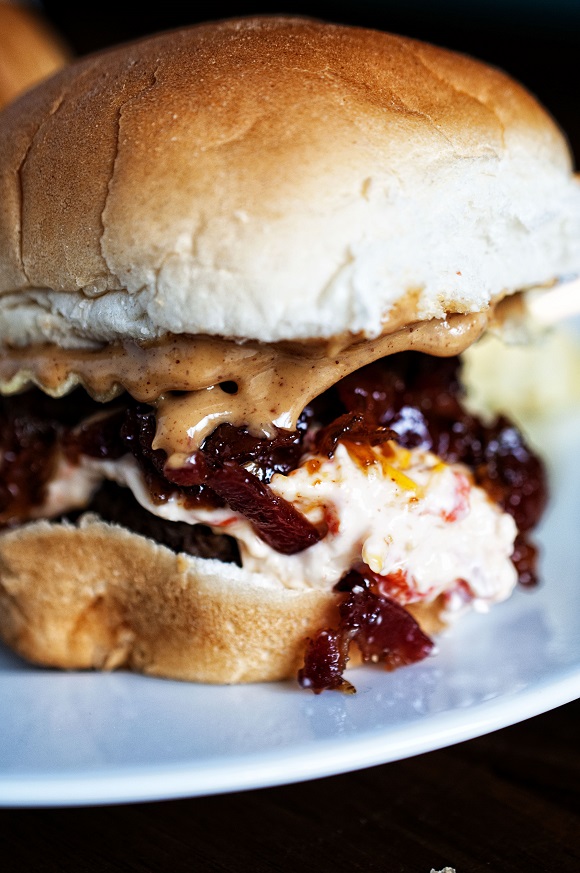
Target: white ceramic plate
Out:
[87,738]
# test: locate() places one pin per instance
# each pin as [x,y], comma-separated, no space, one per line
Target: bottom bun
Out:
[95,595]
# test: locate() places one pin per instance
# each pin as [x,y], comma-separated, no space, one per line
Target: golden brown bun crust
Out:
[262,177]
[30,50]
[97,596]
[101,597]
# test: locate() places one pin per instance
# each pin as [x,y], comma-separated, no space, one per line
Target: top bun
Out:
[274,178]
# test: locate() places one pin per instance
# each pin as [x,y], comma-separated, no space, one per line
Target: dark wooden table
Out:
[506,802]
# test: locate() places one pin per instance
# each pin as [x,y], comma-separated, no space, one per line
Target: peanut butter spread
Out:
[198,382]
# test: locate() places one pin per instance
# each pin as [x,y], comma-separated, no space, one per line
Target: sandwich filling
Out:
[387,491]
[199,382]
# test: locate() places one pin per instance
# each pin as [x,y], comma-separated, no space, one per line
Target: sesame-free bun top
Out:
[274,178]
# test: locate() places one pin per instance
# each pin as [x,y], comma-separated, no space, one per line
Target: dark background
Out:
[508,802]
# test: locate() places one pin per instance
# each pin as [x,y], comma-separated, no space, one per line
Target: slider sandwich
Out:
[238,265]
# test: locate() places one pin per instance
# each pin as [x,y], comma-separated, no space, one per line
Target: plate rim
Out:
[325,758]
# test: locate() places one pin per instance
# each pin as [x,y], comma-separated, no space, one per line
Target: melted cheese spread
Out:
[402,512]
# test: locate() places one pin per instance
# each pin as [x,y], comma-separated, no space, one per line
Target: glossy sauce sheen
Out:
[271,383]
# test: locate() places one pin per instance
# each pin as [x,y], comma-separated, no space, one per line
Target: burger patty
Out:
[118,506]
[413,398]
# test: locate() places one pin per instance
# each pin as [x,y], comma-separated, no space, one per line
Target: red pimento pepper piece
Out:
[395,586]
[462,495]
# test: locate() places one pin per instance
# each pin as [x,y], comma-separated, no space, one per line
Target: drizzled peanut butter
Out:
[257,385]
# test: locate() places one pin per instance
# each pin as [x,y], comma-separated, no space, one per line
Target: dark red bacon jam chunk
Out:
[31,426]
[27,459]
[382,629]
[275,520]
[352,427]
[325,661]
[96,436]
[265,456]
[137,435]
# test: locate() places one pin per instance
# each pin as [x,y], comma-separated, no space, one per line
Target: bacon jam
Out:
[410,397]
[384,631]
